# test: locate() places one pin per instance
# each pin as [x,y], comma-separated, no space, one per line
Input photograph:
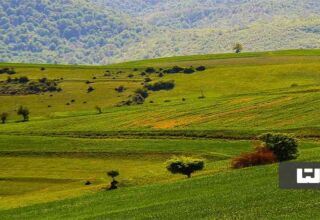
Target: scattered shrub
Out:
[188,70]
[130,75]
[260,156]
[201,68]
[150,70]
[23,79]
[283,146]
[90,89]
[120,89]
[29,86]
[144,93]
[162,85]
[43,69]
[184,165]
[6,70]
[160,74]
[175,69]
[147,79]
[87,183]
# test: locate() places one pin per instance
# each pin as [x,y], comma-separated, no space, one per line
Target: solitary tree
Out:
[238,47]
[4,117]
[185,165]
[113,174]
[24,112]
[99,110]
[283,146]
[202,95]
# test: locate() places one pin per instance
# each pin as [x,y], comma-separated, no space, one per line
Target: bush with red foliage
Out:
[260,156]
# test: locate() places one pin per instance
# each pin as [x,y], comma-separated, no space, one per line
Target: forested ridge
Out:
[108,31]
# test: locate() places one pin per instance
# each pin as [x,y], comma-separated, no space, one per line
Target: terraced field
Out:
[213,114]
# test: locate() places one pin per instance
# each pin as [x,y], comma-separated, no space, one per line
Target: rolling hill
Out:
[54,166]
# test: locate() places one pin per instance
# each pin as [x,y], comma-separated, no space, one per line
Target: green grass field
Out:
[45,162]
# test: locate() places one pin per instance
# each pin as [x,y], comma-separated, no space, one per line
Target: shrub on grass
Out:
[87,183]
[260,156]
[175,69]
[120,89]
[185,165]
[144,93]
[162,85]
[201,68]
[90,89]
[147,79]
[188,70]
[8,71]
[24,112]
[23,79]
[150,70]
[283,146]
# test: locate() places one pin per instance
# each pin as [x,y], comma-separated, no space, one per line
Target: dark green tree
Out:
[238,47]
[24,112]
[185,165]
[283,146]
[4,117]
[113,174]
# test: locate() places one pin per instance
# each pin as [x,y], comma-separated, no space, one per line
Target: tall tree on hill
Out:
[238,47]
[113,174]
[4,117]
[24,112]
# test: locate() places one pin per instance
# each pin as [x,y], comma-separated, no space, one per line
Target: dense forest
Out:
[62,31]
[106,31]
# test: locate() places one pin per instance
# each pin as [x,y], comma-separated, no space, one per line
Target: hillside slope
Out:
[250,92]
[251,193]
[94,119]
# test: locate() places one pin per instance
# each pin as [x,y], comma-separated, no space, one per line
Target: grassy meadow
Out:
[213,114]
